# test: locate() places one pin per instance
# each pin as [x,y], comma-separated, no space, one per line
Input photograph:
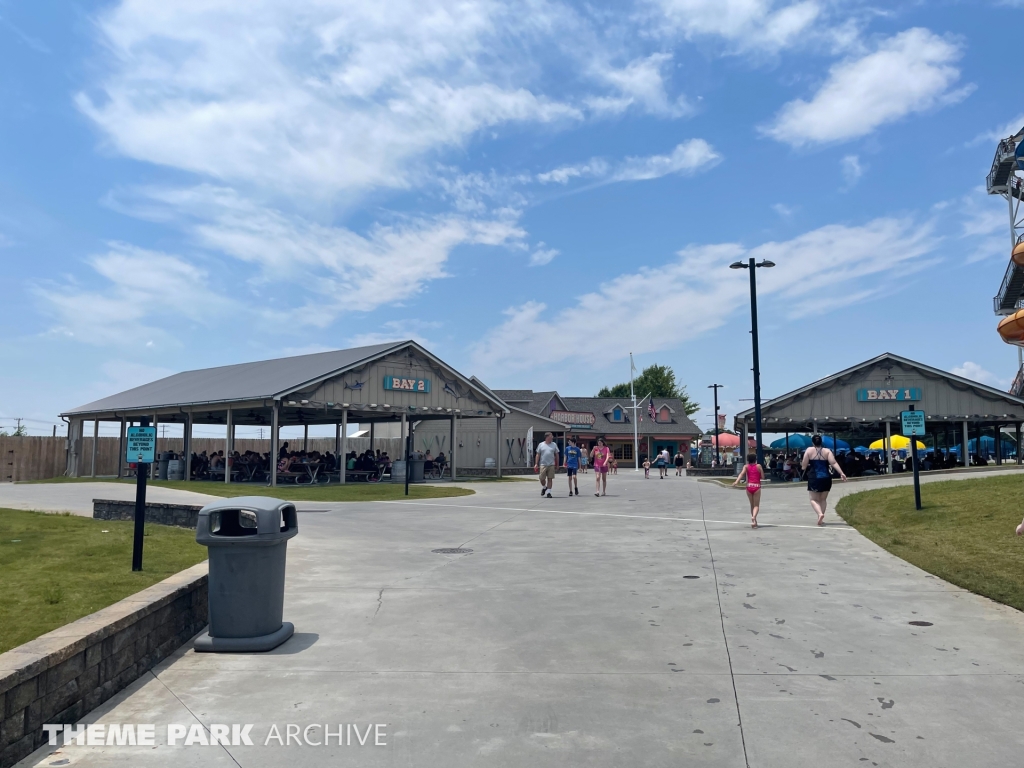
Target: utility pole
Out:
[636,439]
[718,451]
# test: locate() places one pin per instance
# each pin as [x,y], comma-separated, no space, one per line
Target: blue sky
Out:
[531,188]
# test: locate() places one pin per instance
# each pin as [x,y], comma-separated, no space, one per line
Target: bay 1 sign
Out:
[907,393]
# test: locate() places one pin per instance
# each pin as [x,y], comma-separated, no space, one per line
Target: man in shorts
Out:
[584,459]
[572,465]
[546,463]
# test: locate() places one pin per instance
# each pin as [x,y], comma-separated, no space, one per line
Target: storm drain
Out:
[920,623]
[691,577]
[451,551]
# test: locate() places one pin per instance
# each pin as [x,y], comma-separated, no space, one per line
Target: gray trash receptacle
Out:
[247,539]
[162,463]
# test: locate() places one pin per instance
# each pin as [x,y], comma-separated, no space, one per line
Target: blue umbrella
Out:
[799,442]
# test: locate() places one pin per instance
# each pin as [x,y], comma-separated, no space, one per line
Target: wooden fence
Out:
[40,458]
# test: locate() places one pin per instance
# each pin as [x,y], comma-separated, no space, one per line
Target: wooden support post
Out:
[120,448]
[187,444]
[275,439]
[454,445]
[228,440]
[95,444]
[888,448]
[344,442]
[497,442]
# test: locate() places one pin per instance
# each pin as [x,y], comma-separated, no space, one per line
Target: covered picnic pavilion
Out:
[865,401]
[396,382]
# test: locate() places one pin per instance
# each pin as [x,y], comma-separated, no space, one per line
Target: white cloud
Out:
[595,167]
[342,270]
[141,286]
[748,24]
[820,271]
[398,330]
[908,73]
[320,96]
[785,211]
[640,83]
[996,135]
[851,169]
[542,255]
[688,157]
[975,372]
[984,222]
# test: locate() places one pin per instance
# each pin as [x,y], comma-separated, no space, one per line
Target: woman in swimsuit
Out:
[817,461]
[753,474]
[601,455]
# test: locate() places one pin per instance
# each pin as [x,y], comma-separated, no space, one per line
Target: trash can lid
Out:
[224,522]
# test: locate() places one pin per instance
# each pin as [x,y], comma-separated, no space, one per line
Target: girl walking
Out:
[753,474]
[817,461]
[600,455]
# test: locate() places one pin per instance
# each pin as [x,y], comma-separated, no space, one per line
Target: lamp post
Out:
[718,450]
[752,266]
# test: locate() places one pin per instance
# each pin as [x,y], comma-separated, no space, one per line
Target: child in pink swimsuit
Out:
[752,473]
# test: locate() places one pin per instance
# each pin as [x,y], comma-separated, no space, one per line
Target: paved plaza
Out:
[651,627]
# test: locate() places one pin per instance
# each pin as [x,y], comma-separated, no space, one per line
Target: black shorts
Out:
[570,471]
[819,484]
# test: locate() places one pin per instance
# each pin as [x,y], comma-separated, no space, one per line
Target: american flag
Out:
[650,410]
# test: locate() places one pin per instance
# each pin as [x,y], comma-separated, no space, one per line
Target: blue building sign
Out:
[398,384]
[906,394]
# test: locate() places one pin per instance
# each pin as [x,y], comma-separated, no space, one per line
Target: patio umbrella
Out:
[896,442]
[799,442]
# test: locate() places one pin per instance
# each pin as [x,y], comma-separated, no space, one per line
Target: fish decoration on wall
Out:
[450,389]
[356,386]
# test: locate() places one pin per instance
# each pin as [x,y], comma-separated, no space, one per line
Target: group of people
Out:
[546,463]
[817,462]
[203,464]
[663,462]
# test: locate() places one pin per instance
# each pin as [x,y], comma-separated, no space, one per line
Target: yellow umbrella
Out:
[896,443]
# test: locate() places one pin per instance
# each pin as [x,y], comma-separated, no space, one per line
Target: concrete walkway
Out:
[77,497]
[651,627]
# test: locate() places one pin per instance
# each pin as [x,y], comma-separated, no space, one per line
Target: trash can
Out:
[175,469]
[162,463]
[247,538]
[398,471]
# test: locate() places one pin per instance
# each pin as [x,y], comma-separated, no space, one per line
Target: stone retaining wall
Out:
[59,677]
[181,515]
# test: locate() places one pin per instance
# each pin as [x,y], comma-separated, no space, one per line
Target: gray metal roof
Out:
[599,406]
[264,379]
[884,357]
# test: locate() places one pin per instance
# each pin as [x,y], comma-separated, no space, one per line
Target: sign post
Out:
[140,449]
[912,423]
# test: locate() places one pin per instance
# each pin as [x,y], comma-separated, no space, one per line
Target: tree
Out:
[656,380]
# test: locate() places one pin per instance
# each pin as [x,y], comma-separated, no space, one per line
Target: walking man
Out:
[546,463]
[572,465]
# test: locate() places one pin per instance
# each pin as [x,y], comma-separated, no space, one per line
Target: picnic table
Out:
[304,473]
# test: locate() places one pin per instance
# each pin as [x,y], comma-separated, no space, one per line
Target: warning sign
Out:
[140,445]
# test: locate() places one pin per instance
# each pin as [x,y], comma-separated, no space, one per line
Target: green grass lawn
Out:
[332,492]
[58,568]
[964,534]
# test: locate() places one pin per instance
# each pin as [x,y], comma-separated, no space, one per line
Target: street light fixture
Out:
[752,266]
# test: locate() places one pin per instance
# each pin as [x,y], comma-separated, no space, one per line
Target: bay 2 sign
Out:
[406,385]
[908,393]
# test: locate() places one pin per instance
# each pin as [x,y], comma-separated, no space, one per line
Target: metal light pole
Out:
[632,395]
[751,265]
[718,450]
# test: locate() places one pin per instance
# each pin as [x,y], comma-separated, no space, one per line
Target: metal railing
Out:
[1017,388]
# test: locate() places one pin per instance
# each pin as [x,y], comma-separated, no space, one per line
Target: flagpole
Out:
[636,439]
